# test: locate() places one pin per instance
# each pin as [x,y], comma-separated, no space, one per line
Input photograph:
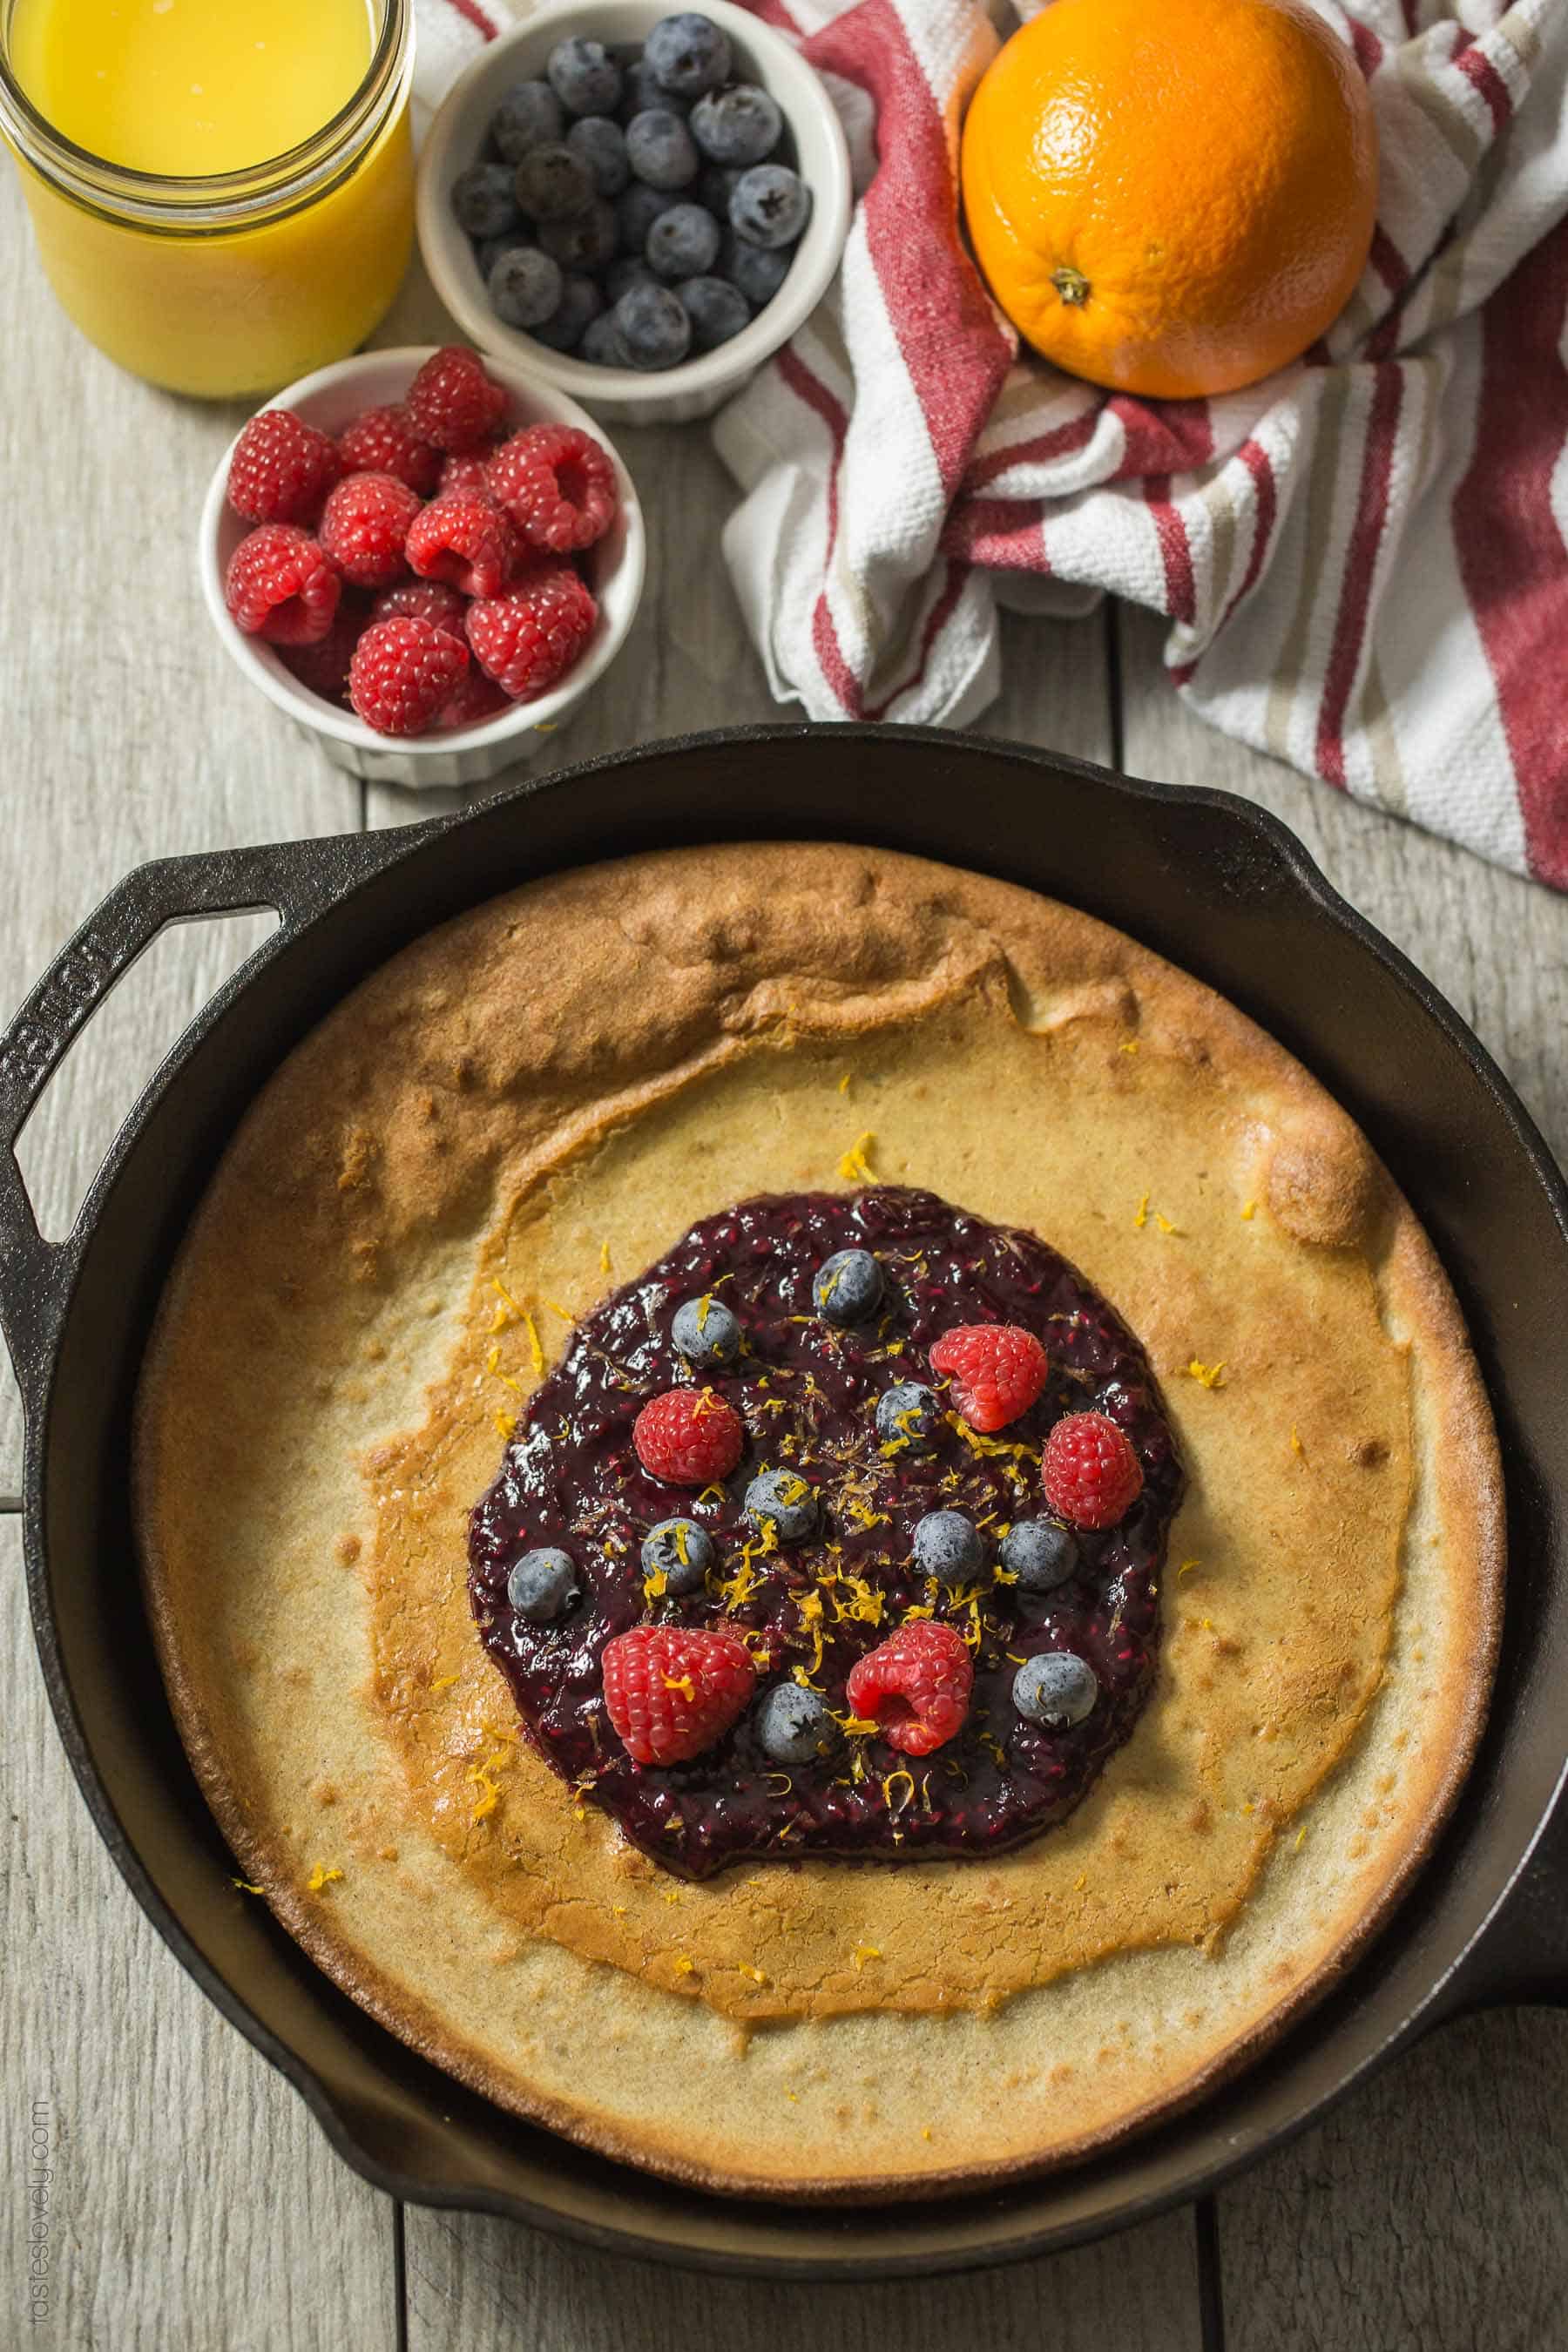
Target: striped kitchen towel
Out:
[1364,559]
[447,34]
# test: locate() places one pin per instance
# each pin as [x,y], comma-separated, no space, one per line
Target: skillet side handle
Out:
[296,879]
[1522,1956]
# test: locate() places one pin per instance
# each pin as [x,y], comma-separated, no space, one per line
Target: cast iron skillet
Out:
[1205,879]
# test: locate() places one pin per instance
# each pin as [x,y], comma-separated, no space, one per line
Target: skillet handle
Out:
[298,879]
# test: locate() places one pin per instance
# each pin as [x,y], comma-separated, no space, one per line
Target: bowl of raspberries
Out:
[639,206]
[423,558]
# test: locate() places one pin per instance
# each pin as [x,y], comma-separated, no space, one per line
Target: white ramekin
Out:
[472,755]
[625,395]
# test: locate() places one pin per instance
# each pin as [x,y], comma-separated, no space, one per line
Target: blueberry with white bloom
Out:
[636,209]
[717,310]
[758,274]
[907,1416]
[739,125]
[653,327]
[1040,1554]
[795,1726]
[584,77]
[681,1551]
[771,205]
[602,344]
[847,1288]
[705,1331]
[782,1500]
[525,285]
[1056,1690]
[688,54]
[947,1545]
[485,200]
[543,1585]
[682,243]
[660,150]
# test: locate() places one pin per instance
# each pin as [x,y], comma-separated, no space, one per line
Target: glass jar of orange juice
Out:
[222,191]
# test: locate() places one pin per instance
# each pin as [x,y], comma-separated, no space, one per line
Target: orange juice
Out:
[221,190]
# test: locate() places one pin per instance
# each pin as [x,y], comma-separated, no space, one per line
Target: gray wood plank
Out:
[1426,2215]
[1428,2212]
[192,2201]
[480,2283]
[128,734]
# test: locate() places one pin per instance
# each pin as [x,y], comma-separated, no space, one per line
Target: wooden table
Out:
[197,2207]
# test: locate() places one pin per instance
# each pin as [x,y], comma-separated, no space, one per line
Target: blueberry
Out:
[782,1500]
[484,200]
[543,1584]
[948,1545]
[553,183]
[1057,1690]
[654,328]
[682,242]
[771,205]
[757,272]
[583,75]
[715,186]
[631,270]
[705,1331]
[602,345]
[716,311]
[739,125]
[848,1287]
[907,1417]
[688,54]
[585,241]
[640,89]
[489,249]
[524,286]
[529,116]
[602,145]
[659,150]
[1039,1554]
[682,1551]
[636,212]
[795,1726]
[580,303]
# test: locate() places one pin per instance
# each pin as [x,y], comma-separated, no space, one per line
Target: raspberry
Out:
[996,1371]
[280,586]
[463,474]
[914,1686]
[478,699]
[1091,1474]
[382,441]
[558,486]
[402,675]
[466,541]
[452,402]
[282,468]
[323,668]
[423,600]
[688,1437]
[365,524]
[672,1690]
[529,636]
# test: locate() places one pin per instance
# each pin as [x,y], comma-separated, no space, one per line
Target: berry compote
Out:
[806,1390]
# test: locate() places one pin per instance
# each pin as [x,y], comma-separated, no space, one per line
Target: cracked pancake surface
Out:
[511,1119]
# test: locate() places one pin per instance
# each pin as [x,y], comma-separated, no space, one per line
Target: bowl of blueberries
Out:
[638,207]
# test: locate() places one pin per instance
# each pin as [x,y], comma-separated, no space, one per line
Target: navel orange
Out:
[1171,197]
